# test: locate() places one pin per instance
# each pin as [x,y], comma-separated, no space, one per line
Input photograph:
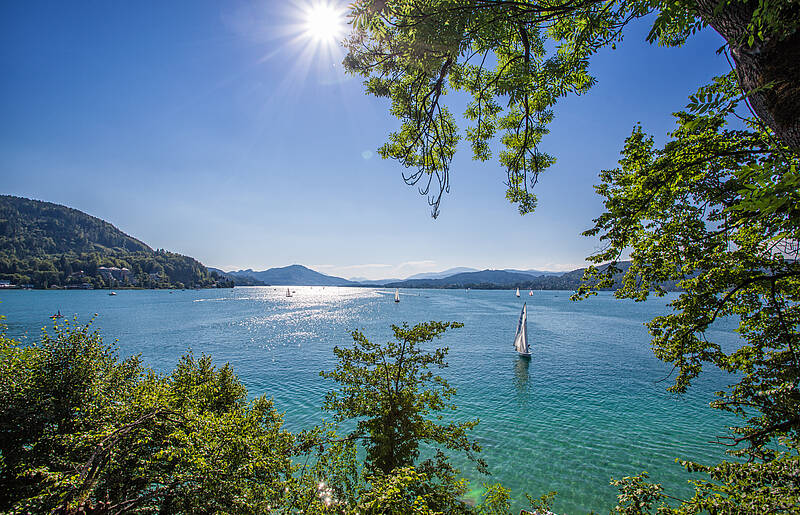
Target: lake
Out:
[589,405]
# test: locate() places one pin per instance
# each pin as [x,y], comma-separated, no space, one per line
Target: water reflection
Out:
[521,374]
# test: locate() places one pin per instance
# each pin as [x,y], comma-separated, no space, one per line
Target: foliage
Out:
[716,210]
[330,479]
[544,504]
[397,403]
[390,390]
[399,493]
[495,500]
[82,430]
[771,487]
[517,59]
[44,244]
[637,495]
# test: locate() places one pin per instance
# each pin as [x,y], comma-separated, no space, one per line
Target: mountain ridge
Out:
[481,279]
[292,275]
[305,276]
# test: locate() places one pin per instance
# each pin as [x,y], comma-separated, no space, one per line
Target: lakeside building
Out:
[81,286]
[122,275]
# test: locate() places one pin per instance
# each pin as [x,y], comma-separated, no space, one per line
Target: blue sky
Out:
[213,130]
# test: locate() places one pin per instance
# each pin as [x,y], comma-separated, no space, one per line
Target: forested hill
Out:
[35,228]
[292,275]
[504,279]
[44,245]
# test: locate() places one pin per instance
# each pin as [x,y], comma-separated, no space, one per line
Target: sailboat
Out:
[521,338]
[517,292]
[396,295]
[288,293]
[530,293]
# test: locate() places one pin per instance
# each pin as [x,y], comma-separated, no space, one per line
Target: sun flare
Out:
[324,22]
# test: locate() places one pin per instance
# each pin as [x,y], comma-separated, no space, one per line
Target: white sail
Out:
[530,293]
[517,292]
[396,295]
[521,338]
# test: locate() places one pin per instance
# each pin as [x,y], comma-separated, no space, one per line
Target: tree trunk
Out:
[773,61]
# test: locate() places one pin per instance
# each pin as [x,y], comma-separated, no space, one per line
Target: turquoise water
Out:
[588,405]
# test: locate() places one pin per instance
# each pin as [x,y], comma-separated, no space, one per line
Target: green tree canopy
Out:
[391,391]
[713,210]
[517,58]
[397,403]
[84,431]
[716,210]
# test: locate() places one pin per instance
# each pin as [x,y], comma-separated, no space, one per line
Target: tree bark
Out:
[773,62]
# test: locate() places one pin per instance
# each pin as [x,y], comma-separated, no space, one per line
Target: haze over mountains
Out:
[294,275]
[299,275]
[440,275]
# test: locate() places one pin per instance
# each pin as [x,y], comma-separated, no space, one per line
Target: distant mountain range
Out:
[453,278]
[299,275]
[294,275]
[502,279]
[440,275]
[373,282]
[532,272]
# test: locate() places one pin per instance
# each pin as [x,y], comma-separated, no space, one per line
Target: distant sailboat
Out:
[57,315]
[517,292]
[288,293]
[396,295]
[530,293]
[521,338]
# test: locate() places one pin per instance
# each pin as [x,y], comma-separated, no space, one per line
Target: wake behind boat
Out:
[521,338]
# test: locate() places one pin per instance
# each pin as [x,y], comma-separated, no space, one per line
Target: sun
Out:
[316,31]
[324,22]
